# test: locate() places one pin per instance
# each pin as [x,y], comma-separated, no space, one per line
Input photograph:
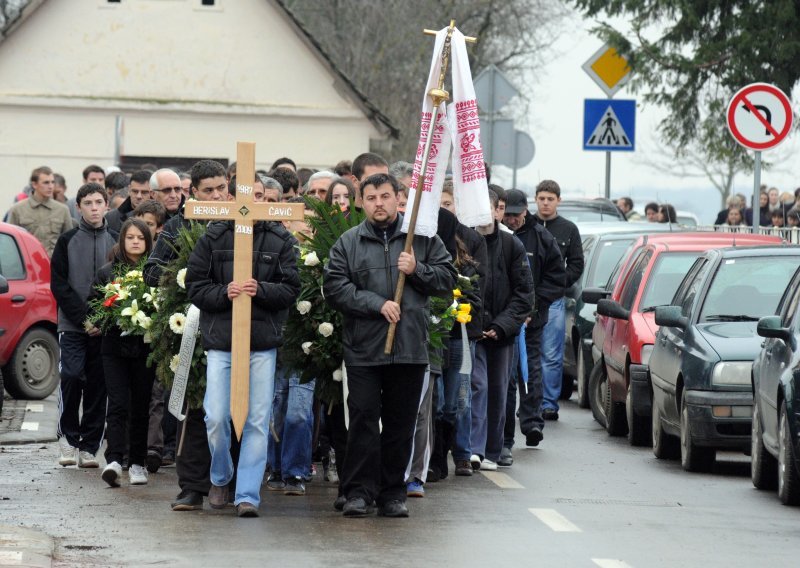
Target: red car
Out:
[625,330]
[28,318]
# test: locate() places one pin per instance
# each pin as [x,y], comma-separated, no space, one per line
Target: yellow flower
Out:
[464,308]
[456,293]
[463,317]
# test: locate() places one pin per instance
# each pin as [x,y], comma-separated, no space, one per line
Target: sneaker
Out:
[533,437]
[69,454]
[506,458]
[153,461]
[188,500]
[168,460]
[338,504]
[394,509]
[475,461]
[137,475]
[415,488]
[275,482]
[111,474]
[294,486]
[463,468]
[550,414]
[488,465]
[356,508]
[87,460]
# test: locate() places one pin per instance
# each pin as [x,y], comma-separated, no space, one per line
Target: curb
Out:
[25,547]
[45,421]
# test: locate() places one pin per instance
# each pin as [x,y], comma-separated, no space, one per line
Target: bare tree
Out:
[381,48]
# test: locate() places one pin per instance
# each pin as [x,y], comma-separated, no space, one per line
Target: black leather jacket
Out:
[361,275]
[210,270]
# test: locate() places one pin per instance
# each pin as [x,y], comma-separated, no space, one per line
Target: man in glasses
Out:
[138,193]
[166,187]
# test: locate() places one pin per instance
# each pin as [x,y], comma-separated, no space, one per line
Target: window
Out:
[605,259]
[665,277]
[11,265]
[633,282]
[685,295]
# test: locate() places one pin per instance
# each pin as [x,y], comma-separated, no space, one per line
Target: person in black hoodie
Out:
[548,196]
[129,381]
[507,303]
[78,254]
[138,193]
[549,275]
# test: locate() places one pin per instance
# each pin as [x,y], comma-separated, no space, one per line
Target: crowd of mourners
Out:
[412,417]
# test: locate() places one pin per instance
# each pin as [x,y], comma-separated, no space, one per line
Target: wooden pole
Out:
[438,96]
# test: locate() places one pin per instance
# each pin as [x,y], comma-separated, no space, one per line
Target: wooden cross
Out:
[244,212]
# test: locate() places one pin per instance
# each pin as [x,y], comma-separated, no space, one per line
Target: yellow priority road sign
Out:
[608,69]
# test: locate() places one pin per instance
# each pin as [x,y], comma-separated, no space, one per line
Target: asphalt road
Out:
[582,499]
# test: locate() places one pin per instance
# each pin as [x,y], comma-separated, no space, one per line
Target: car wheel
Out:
[32,372]
[638,426]
[597,386]
[583,379]
[567,385]
[616,421]
[665,447]
[693,457]
[788,480]
[763,466]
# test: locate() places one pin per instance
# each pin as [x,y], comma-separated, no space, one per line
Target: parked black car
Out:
[775,435]
[702,361]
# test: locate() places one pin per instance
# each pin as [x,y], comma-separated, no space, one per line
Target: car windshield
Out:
[606,257]
[664,279]
[746,289]
[586,215]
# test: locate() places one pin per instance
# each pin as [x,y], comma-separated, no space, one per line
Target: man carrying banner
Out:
[360,282]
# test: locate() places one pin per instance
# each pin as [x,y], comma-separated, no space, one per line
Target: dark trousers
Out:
[163,425]
[337,435]
[82,378]
[376,461]
[129,383]
[530,404]
[489,389]
[194,461]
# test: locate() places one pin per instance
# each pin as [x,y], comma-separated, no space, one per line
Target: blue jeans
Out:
[455,399]
[293,419]
[489,392]
[217,404]
[553,354]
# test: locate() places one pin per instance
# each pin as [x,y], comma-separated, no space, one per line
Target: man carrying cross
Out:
[273,287]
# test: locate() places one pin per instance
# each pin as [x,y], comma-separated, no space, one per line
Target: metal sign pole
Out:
[608,175]
[756,191]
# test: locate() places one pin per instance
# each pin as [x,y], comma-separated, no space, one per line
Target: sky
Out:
[555,122]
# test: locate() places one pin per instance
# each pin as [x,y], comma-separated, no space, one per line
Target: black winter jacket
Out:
[548,269]
[210,270]
[476,247]
[361,275]
[116,217]
[163,251]
[569,243]
[508,297]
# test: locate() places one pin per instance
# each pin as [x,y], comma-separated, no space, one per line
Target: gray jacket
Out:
[361,275]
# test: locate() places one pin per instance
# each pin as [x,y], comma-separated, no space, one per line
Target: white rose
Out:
[306,347]
[177,322]
[173,364]
[435,320]
[304,307]
[325,329]
[181,278]
[337,375]
[311,259]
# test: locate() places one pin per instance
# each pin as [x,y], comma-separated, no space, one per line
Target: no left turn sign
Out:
[760,116]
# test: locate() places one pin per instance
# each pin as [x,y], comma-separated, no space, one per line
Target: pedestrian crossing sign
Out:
[609,125]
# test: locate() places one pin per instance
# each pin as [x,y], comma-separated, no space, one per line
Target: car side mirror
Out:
[594,295]
[670,316]
[612,309]
[3,285]
[770,326]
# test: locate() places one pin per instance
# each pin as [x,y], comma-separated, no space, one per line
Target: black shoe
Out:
[153,461]
[356,507]
[339,503]
[168,460]
[533,437]
[295,486]
[395,509]
[188,500]
[506,458]
[550,414]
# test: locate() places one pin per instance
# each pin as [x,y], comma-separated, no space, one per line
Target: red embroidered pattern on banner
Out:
[434,152]
[469,139]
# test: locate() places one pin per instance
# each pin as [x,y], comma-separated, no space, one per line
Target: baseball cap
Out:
[516,202]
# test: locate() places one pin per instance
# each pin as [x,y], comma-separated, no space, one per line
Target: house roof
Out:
[17,11]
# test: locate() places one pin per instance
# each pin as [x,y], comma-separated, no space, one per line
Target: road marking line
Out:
[34,407]
[502,480]
[554,520]
[10,557]
[610,563]
[32,426]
